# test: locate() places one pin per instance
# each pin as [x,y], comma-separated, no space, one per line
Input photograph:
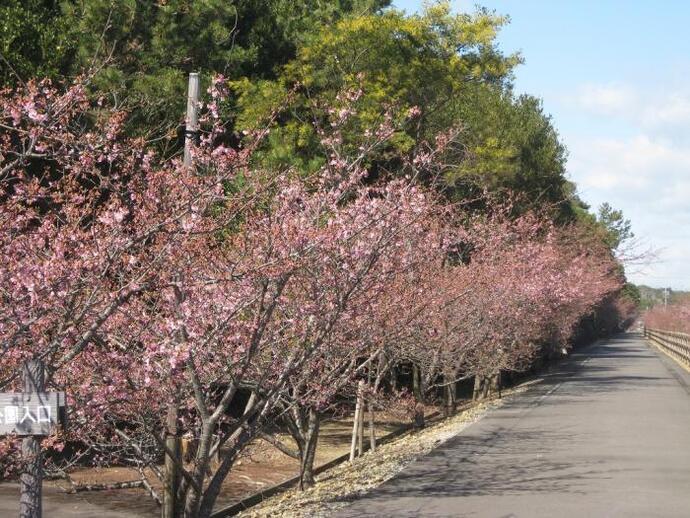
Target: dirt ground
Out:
[261,466]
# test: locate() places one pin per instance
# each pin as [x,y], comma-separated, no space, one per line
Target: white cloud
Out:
[669,270]
[650,109]
[629,145]
[608,99]
[672,109]
[649,179]
[637,163]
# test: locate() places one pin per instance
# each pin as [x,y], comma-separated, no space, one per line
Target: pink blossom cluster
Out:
[674,317]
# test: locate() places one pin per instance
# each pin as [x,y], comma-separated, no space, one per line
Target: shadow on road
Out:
[517,452]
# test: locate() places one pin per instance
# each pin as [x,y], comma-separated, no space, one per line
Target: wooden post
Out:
[355,421]
[372,428]
[191,129]
[360,427]
[370,412]
[31,481]
[172,443]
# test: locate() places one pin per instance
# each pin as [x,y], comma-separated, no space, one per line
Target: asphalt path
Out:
[607,434]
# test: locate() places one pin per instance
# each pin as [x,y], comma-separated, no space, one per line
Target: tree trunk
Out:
[486,386]
[418,391]
[372,430]
[477,392]
[496,384]
[417,383]
[213,489]
[201,505]
[201,458]
[449,397]
[308,450]
[370,413]
[394,378]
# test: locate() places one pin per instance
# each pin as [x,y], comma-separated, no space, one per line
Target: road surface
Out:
[606,435]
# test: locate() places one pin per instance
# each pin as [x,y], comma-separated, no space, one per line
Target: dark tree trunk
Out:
[308,450]
[418,391]
[417,383]
[496,384]
[478,384]
[449,398]
[486,387]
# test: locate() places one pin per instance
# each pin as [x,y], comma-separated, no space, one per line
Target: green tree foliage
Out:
[35,41]
[157,45]
[146,48]
[300,56]
[618,228]
[632,293]
[445,64]
[511,144]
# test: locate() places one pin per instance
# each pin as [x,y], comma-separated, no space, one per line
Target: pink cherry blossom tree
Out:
[156,292]
[218,299]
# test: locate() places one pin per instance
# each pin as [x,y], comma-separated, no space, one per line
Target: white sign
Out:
[31,413]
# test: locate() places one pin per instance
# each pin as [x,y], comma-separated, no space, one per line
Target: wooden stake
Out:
[355,421]
[372,430]
[172,476]
[360,425]
[370,409]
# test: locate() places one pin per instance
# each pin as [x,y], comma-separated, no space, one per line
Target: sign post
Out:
[32,414]
[32,477]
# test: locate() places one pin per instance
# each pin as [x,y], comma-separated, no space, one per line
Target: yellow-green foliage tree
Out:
[444,68]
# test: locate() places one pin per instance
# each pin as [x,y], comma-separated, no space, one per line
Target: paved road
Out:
[606,435]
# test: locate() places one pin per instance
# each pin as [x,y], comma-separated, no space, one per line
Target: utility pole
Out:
[666,294]
[173,459]
[191,123]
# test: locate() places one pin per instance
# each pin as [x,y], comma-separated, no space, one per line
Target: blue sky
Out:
[615,76]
